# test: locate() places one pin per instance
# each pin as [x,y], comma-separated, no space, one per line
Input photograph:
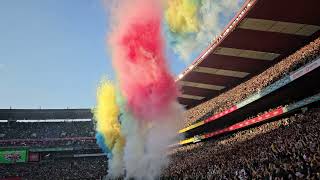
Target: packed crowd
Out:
[41,130]
[75,168]
[48,134]
[51,143]
[288,148]
[237,94]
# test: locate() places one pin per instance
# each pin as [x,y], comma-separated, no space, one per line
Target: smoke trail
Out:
[151,115]
[109,135]
[138,57]
[133,150]
[181,15]
[147,142]
[101,143]
[212,16]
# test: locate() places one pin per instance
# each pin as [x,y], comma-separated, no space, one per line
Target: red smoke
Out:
[139,59]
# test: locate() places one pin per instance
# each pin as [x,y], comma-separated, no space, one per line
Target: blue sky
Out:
[53,53]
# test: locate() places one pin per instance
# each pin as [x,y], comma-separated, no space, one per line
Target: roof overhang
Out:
[261,34]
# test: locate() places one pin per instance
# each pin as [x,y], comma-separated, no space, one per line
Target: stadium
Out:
[252,109]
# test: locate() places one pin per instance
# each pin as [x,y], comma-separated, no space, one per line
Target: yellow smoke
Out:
[106,115]
[181,15]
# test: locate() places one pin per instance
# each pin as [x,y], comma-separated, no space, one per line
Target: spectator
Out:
[239,93]
[267,151]
[36,130]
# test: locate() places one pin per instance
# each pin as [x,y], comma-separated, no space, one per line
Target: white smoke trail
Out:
[116,164]
[145,150]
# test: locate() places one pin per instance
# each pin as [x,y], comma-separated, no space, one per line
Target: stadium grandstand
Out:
[49,144]
[252,100]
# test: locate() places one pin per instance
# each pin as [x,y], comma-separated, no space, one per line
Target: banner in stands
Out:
[11,178]
[33,157]
[303,102]
[247,122]
[192,126]
[271,88]
[304,70]
[12,156]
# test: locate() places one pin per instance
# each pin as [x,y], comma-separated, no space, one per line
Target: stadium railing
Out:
[249,122]
[265,91]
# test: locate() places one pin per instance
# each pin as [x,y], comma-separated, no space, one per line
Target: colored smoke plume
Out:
[139,60]
[109,136]
[181,16]
[101,142]
[212,16]
[137,122]
[148,94]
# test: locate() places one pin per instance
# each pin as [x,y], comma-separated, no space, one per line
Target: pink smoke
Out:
[138,57]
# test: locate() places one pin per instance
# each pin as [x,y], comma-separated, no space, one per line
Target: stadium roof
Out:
[261,34]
